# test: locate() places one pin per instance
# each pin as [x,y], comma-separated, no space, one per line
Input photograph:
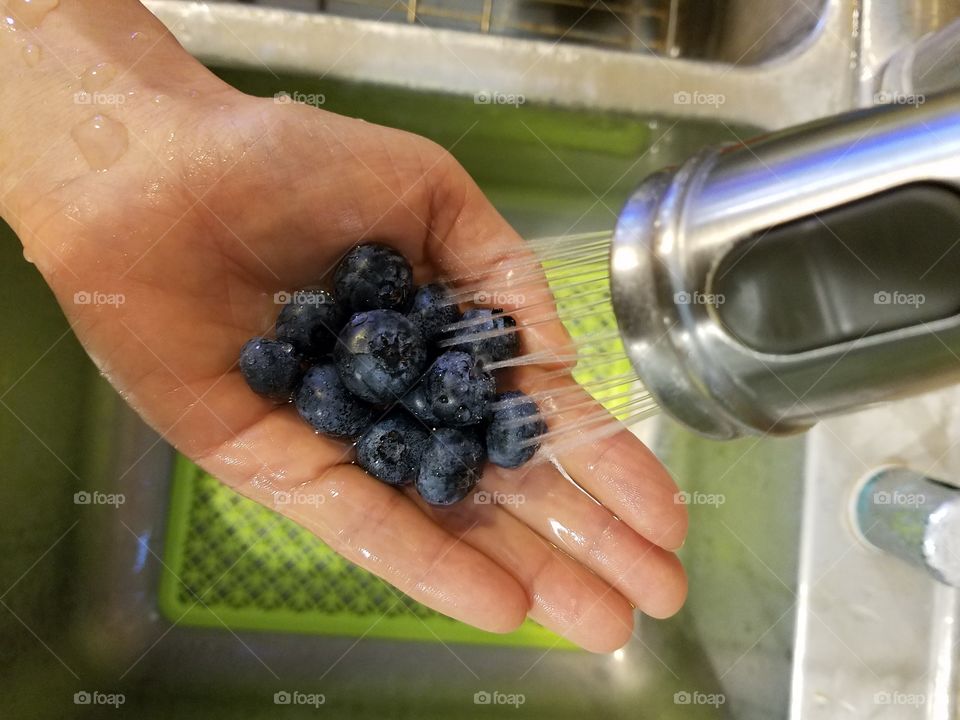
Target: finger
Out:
[648,576]
[604,457]
[623,475]
[564,596]
[367,522]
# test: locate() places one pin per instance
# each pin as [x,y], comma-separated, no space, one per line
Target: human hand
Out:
[220,201]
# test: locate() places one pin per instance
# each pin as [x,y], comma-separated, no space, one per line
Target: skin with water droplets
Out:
[97,77]
[102,141]
[29,13]
[31,54]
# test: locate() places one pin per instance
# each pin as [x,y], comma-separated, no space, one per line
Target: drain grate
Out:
[229,561]
[638,25]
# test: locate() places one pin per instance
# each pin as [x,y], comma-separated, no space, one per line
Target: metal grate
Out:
[636,25]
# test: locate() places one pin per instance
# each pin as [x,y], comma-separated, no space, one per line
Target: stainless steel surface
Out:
[639,25]
[929,66]
[740,32]
[735,329]
[913,517]
[786,88]
[876,637]
[773,65]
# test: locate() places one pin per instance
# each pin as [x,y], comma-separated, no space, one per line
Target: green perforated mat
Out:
[230,562]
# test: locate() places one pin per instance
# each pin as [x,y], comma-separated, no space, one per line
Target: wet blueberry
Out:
[502,343]
[310,321]
[324,402]
[418,405]
[391,449]
[270,367]
[373,277]
[459,391]
[380,355]
[432,309]
[516,421]
[450,466]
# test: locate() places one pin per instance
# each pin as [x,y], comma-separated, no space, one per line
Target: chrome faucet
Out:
[759,287]
[913,517]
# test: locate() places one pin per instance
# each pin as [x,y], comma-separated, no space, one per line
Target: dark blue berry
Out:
[432,310]
[418,405]
[310,321]
[516,421]
[502,344]
[324,402]
[450,466]
[391,449]
[373,277]
[270,367]
[460,392]
[380,355]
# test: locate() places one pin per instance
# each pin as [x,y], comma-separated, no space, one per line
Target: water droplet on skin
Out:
[154,190]
[97,77]
[160,99]
[29,13]
[566,537]
[137,36]
[27,256]
[101,140]
[83,210]
[31,55]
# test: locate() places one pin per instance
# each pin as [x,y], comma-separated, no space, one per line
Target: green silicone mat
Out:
[231,562]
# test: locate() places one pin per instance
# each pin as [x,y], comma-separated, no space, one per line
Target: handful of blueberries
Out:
[363,364]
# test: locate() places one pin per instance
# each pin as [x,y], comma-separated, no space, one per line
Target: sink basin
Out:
[549,171]
[85,613]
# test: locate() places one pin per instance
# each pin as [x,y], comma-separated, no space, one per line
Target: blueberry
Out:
[432,309]
[450,467]
[391,449]
[373,277]
[270,367]
[310,321]
[324,402]
[380,355]
[418,405]
[460,392]
[491,348]
[515,421]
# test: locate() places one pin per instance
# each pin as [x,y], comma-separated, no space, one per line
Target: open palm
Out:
[220,203]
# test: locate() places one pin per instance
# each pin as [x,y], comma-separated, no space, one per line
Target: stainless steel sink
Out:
[593,122]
